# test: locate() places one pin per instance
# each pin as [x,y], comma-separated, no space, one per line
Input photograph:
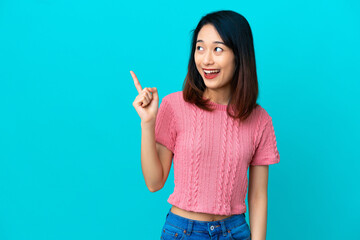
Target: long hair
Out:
[235,31]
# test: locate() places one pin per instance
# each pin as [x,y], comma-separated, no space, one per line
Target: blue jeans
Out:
[231,228]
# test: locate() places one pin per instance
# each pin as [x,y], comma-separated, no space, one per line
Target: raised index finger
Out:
[136,82]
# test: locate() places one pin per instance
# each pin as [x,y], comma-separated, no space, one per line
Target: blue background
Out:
[70,138]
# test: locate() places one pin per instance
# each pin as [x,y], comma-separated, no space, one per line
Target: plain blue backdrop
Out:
[70,138]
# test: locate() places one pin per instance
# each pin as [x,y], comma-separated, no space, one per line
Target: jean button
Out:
[212,227]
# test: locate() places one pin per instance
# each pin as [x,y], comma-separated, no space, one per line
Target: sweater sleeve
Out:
[266,152]
[165,132]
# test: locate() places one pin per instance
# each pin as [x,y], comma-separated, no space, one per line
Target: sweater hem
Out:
[205,210]
[265,162]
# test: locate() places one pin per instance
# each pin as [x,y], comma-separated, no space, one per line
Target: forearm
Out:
[150,162]
[258,217]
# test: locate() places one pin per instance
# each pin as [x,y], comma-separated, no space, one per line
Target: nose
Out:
[208,58]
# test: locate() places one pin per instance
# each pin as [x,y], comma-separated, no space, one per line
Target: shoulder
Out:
[263,113]
[260,115]
[172,98]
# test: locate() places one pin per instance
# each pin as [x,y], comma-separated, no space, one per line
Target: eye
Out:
[198,47]
[219,48]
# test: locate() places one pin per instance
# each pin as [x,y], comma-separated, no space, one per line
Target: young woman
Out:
[215,131]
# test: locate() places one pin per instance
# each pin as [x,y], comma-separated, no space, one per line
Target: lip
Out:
[212,76]
[211,69]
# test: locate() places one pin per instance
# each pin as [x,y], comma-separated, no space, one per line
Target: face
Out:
[214,61]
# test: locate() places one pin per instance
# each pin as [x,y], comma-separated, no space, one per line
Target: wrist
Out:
[147,124]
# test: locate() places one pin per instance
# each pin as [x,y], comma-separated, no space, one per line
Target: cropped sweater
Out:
[212,153]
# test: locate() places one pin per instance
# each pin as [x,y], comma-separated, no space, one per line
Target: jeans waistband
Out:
[212,227]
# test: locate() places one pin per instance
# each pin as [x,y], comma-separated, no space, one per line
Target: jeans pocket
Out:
[170,232]
[241,232]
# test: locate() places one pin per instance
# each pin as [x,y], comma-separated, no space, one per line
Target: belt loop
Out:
[223,227]
[189,228]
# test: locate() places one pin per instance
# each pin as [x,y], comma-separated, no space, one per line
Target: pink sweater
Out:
[212,153]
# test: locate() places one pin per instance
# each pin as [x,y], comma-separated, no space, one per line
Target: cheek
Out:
[197,59]
[230,67]
[197,63]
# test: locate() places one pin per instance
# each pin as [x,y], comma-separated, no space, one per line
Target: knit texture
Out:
[212,153]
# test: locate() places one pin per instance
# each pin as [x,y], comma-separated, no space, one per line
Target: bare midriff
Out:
[197,215]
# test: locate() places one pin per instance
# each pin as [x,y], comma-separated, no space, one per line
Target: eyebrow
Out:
[213,42]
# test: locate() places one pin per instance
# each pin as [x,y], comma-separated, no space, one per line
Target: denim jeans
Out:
[231,228]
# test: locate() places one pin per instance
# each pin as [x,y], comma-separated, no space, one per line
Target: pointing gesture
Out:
[147,102]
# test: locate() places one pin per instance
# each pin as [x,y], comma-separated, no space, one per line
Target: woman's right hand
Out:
[147,102]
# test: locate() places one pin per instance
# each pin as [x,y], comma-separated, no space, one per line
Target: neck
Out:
[217,96]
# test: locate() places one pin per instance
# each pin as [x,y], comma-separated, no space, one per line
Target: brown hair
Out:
[235,31]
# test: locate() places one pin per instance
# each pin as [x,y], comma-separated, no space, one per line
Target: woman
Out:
[215,131]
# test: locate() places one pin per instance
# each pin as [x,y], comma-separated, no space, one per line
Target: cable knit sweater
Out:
[212,153]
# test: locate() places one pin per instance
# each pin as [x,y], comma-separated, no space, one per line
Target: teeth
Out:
[211,71]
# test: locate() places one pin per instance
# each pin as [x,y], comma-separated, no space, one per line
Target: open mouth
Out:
[211,73]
